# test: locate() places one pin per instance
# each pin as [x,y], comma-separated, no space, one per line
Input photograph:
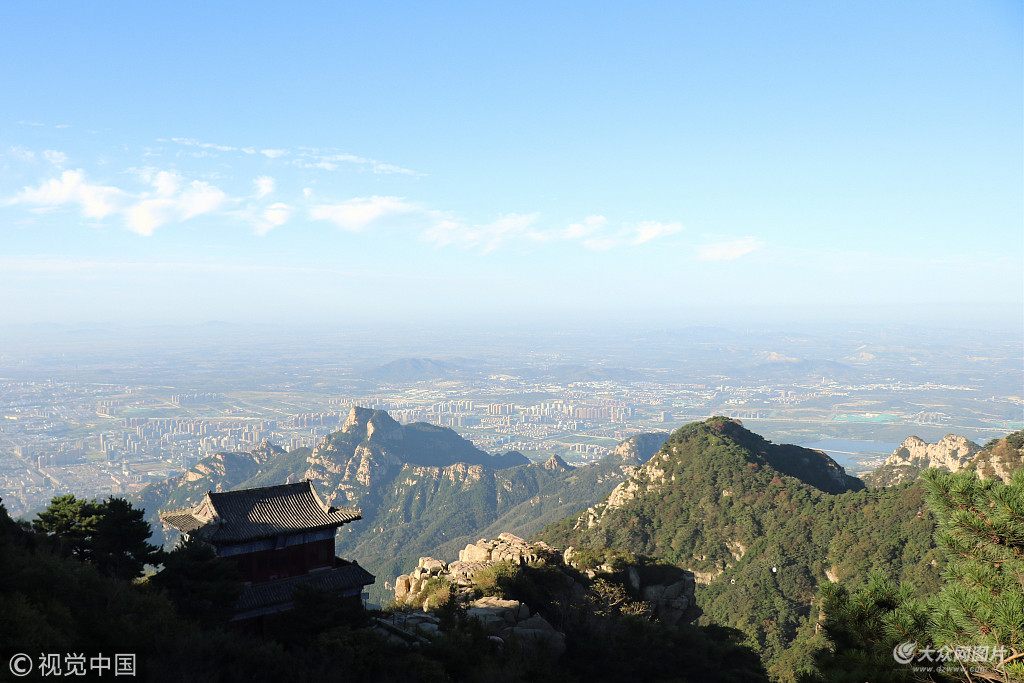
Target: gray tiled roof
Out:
[280,592]
[251,514]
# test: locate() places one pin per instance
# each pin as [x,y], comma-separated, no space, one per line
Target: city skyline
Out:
[506,163]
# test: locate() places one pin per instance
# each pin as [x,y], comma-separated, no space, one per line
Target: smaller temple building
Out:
[280,537]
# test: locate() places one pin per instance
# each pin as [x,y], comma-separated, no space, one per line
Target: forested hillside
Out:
[761,526]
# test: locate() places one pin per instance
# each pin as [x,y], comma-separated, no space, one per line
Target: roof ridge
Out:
[261,488]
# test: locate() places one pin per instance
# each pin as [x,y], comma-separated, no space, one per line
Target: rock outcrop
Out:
[514,621]
[952,453]
[1000,457]
[636,450]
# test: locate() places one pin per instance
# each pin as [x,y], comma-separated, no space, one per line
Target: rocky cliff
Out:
[469,579]
[1000,458]
[636,450]
[421,488]
[952,453]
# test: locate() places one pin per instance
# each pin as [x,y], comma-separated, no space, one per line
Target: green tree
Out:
[979,611]
[118,545]
[70,522]
[111,534]
[200,585]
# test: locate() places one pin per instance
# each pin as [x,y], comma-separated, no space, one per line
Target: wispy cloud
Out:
[649,230]
[304,157]
[597,234]
[334,160]
[54,157]
[22,154]
[193,199]
[148,198]
[588,226]
[95,201]
[262,218]
[729,250]
[171,198]
[189,142]
[264,185]
[359,213]
[514,228]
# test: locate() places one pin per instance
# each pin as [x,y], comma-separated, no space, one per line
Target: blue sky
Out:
[507,162]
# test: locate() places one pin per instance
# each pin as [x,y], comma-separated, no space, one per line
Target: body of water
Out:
[849,452]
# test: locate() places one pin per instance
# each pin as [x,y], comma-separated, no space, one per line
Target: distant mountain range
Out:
[422,489]
[406,370]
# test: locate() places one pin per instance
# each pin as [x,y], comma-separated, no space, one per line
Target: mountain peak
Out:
[637,449]
[952,453]
[556,464]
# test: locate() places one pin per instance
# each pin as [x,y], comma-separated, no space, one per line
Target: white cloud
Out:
[265,218]
[152,198]
[54,157]
[391,168]
[197,198]
[22,154]
[204,145]
[345,158]
[326,160]
[95,201]
[587,226]
[445,230]
[264,186]
[648,230]
[595,234]
[277,214]
[167,183]
[172,199]
[333,160]
[356,214]
[727,251]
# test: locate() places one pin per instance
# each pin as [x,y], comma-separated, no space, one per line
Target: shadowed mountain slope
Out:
[421,488]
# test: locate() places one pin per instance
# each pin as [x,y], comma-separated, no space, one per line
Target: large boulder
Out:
[536,635]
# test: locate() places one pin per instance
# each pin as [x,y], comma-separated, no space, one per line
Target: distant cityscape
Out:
[86,433]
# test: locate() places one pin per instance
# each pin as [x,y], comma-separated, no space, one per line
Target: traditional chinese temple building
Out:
[281,537]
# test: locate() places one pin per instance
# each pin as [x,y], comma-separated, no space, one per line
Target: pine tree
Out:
[118,545]
[973,629]
[981,529]
[200,585]
[110,534]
